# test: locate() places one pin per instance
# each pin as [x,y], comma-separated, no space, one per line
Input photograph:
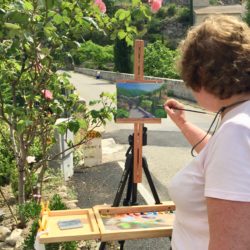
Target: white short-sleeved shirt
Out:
[221,170]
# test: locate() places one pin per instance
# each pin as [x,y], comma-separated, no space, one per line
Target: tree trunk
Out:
[21,190]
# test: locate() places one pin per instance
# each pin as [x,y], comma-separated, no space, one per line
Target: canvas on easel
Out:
[140,100]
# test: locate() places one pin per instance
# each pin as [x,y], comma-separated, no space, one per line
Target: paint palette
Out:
[69,225]
[135,220]
[123,223]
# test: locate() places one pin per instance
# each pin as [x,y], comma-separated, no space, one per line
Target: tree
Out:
[160,61]
[130,24]
[122,56]
[35,38]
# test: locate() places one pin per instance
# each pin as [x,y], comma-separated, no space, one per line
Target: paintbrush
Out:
[188,110]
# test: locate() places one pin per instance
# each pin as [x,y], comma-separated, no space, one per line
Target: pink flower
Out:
[155,5]
[101,5]
[47,94]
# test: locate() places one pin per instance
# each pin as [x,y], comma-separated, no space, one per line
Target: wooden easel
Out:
[94,227]
[139,123]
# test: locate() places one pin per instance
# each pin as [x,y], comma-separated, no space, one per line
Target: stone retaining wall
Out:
[177,88]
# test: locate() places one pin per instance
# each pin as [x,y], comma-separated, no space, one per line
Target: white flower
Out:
[31,159]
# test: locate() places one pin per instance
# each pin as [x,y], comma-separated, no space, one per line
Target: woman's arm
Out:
[192,133]
[229,224]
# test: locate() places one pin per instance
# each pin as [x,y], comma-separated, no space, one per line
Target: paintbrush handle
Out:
[191,110]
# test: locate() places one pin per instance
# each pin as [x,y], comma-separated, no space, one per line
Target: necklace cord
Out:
[220,111]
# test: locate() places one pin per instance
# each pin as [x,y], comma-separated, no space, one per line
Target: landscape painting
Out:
[141,100]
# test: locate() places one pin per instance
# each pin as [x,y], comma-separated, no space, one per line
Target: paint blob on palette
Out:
[135,220]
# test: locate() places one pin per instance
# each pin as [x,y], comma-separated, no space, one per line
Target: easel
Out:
[135,162]
[94,227]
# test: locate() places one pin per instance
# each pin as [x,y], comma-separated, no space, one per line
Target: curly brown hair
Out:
[216,56]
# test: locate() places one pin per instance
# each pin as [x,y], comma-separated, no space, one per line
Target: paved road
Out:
[167,151]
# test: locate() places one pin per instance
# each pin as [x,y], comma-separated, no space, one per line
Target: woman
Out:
[212,193]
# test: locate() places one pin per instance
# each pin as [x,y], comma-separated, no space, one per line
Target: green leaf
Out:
[12,26]
[94,114]
[83,124]
[66,19]
[61,128]
[58,19]
[22,124]
[121,34]
[135,3]
[123,15]
[92,21]
[28,6]
[129,41]
[91,103]
[74,126]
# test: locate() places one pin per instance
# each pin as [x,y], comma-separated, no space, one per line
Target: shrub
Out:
[30,183]
[122,56]
[160,61]
[56,203]
[172,9]
[94,56]
[30,239]
[30,210]
[183,15]
[7,163]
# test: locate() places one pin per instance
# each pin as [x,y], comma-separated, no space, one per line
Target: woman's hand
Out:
[177,116]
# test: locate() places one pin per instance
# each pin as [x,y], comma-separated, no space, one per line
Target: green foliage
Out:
[183,15]
[156,27]
[160,61]
[171,10]
[247,13]
[56,203]
[37,38]
[30,239]
[94,56]
[122,56]
[71,245]
[30,210]
[30,183]
[213,2]
[7,160]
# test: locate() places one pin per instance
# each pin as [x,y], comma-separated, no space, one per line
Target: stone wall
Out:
[177,88]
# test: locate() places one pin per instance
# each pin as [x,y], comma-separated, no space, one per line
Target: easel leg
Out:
[131,189]
[150,181]
[127,170]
